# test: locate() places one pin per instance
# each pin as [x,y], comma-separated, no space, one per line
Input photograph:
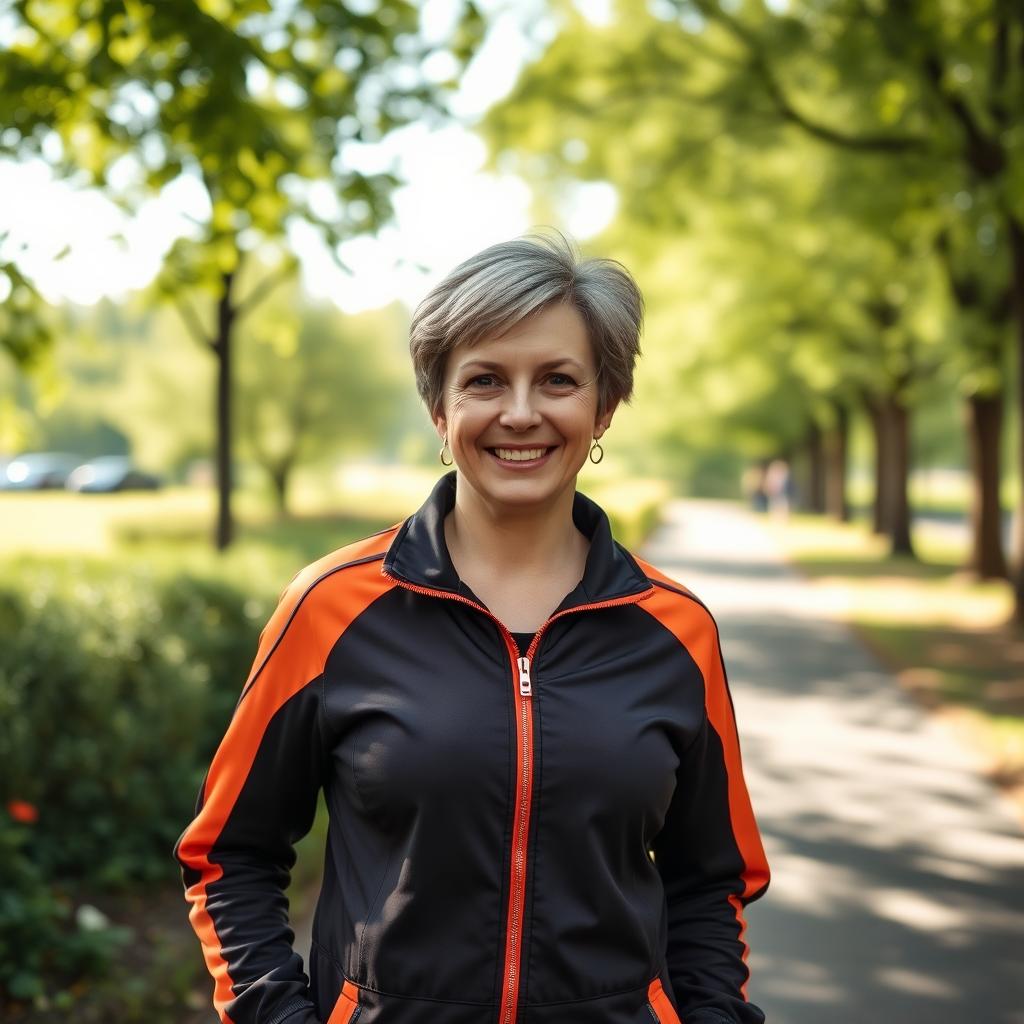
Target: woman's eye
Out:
[490,380]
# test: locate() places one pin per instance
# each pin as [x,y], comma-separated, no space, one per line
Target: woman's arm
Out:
[258,798]
[709,854]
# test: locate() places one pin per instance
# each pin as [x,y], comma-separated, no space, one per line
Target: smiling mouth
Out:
[522,454]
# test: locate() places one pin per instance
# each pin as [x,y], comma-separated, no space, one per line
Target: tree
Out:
[315,382]
[951,87]
[116,378]
[25,330]
[675,107]
[982,302]
[258,104]
[844,312]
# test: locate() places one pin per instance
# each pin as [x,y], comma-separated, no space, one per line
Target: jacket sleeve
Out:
[258,798]
[710,858]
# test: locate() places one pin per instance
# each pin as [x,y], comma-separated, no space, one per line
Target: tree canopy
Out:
[262,105]
[812,129]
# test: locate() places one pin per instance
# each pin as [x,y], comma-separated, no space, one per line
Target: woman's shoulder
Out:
[322,599]
[360,557]
[672,598]
[687,618]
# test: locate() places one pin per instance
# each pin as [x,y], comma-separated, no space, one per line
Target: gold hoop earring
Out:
[444,448]
[596,447]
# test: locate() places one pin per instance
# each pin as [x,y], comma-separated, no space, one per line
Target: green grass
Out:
[267,549]
[176,525]
[937,492]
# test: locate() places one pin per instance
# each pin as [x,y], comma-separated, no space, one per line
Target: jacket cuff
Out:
[708,1017]
[296,1011]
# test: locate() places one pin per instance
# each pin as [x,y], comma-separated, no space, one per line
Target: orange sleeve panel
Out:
[314,611]
[729,840]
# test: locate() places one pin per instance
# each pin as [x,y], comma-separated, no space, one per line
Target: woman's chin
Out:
[536,485]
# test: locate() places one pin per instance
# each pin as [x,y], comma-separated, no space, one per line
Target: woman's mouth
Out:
[521,458]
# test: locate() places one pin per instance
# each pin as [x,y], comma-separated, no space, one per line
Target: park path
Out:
[898,871]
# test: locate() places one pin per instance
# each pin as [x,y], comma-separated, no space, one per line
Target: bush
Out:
[40,936]
[633,507]
[114,690]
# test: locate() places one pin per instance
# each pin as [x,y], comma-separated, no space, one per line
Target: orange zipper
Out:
[657,1002]
[346,1009]
[523,692]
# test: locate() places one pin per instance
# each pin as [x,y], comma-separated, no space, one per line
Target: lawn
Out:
[177,523]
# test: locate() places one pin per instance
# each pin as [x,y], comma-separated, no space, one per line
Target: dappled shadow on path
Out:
[896,878]
[859,928]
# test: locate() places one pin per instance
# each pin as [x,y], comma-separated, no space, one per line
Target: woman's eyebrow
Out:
[485,364]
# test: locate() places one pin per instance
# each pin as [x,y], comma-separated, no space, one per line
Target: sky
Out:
[448,209]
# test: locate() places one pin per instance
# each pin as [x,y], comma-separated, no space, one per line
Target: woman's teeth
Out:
[519,454]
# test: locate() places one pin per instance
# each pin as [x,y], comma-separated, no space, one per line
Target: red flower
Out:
[22,810]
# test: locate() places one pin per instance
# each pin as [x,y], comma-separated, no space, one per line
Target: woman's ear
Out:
[440,425]
[604,420]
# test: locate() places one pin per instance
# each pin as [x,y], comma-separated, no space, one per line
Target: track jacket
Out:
[549,837]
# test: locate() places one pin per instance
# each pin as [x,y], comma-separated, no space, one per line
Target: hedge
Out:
[114,691]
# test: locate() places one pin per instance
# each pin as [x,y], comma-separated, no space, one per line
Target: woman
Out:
[524,734]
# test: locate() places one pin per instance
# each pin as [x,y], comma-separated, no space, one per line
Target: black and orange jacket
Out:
[549,837]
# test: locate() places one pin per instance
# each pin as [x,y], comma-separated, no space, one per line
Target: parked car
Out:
[111,473]
[35,471]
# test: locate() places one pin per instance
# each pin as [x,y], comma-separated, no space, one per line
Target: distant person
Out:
[523,733]
[753,486]
[778,488]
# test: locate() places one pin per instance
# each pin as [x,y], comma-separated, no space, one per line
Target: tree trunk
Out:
[879,522]
[836,446]
[280,476]
[816,470]
[897,467]
[222,347]
[1016,231]
[984,433]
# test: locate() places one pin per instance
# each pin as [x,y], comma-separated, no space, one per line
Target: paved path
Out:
[898,872]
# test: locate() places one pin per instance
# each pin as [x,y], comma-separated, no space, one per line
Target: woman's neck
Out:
[521,543]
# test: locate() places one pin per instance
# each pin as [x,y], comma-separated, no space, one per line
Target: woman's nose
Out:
[519,409]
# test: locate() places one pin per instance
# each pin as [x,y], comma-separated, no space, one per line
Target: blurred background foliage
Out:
[824,206]
[851,179]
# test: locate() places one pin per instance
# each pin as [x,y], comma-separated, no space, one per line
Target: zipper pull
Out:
[525,689]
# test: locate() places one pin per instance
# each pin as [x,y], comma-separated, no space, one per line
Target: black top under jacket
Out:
[544,837]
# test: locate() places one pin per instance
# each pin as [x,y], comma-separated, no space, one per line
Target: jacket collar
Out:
[419,555]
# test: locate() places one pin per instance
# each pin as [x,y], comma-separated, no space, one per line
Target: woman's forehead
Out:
[553,335]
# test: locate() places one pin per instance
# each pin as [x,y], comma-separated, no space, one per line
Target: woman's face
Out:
[521,410]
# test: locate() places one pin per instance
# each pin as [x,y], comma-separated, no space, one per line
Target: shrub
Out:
[114,691]
[40,935]
[633,507]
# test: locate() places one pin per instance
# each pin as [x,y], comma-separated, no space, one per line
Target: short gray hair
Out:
[496,289]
